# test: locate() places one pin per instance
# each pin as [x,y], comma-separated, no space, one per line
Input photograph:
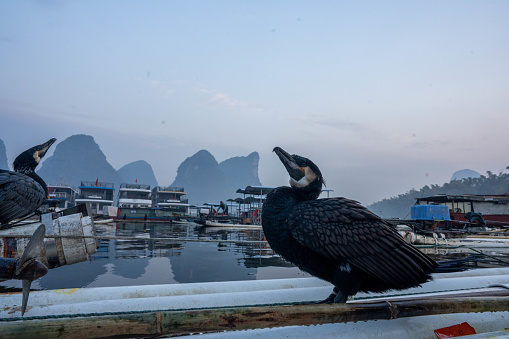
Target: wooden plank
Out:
[240,318]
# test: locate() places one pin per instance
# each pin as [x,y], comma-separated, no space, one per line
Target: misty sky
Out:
[383,96]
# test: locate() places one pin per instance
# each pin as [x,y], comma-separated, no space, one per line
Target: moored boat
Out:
[99,195]
[138,202]
[215,223]
[459,215]
[134,196]
[61,197]
[493,208]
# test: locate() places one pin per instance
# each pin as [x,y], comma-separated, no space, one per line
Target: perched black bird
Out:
[337,239]
[26,268]
[23,191]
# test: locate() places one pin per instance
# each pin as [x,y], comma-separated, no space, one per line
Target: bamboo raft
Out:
[271,308]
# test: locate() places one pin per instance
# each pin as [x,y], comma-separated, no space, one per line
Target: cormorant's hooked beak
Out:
[40,151]
[295,171]
[45,147]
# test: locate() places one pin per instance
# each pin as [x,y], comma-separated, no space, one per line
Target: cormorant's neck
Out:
[277,206]
[33,175]
[310,192]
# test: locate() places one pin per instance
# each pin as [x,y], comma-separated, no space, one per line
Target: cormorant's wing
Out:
[343,230]
[19,195]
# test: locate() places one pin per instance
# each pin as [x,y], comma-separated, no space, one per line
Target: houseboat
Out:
[59,198]
[134,195]
[140,203]
[98,194]
[171,199]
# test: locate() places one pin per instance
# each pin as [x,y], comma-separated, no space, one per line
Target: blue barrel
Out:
[430,212]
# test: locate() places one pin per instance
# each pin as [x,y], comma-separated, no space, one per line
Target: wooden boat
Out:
[104,221]
[265,308]
[213,223]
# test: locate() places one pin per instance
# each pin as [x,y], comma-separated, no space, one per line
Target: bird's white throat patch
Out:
[36,157]
[308,178]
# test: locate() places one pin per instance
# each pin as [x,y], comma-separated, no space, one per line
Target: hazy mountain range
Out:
[202,176]
[138,172]
[79,158]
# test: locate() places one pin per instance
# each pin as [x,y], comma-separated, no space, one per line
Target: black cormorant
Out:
[23,191]
[337,239]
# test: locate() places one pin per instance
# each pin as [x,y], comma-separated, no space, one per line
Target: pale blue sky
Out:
[384,96]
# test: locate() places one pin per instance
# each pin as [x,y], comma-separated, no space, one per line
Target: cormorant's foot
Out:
[328,300]
[340,298]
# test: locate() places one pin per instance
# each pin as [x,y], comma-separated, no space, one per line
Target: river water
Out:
[141,261]
[209,254]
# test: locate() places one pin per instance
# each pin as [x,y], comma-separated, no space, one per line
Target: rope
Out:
[490,256]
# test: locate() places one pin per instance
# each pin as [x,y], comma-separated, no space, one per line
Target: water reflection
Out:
[138,260]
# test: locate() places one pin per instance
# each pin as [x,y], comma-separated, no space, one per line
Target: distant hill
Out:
[205,180]
[465,173]
[138,171]
[202,179]
[3,156]
[78,158]
[241,171]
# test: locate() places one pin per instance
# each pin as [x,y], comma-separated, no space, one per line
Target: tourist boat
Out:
[475,300]
[98,194]
[172,199]
[140,203]
[143,214]
[134,196]
[61,197]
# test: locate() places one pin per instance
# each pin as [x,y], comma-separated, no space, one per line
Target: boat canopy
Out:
[255,190]
[96,184]
[135,186]
[442,198]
